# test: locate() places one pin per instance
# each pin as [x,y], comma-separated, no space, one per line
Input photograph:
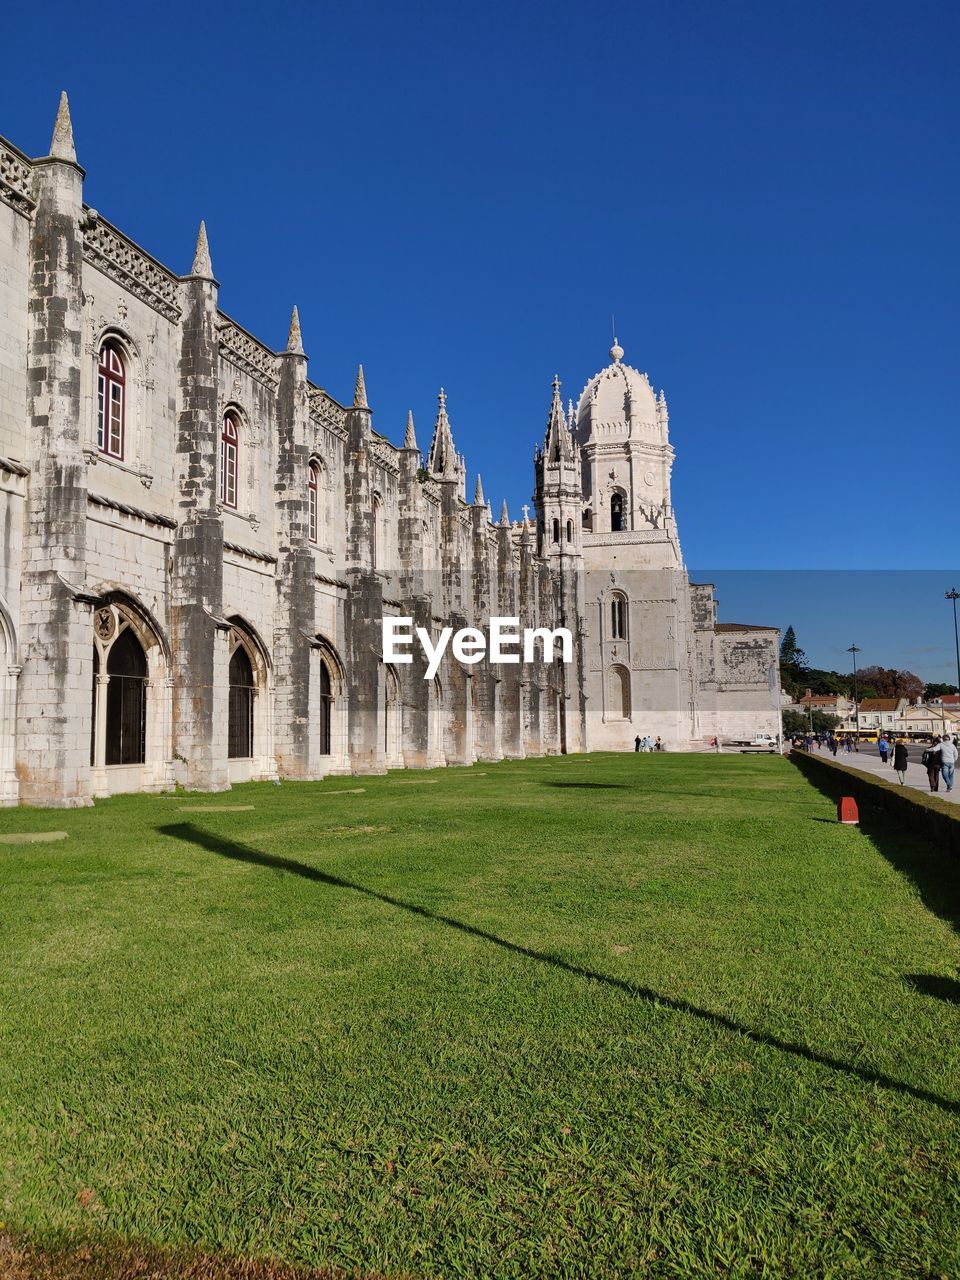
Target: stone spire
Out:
[557,444]
[451,466]
[504,517]
[443,454]
[202,266]
[294,340]
[360,391]
[61,145]
[478,494]
[662,414]
[410,437]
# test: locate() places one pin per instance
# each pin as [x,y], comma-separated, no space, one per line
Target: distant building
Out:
[833,704]
[928,719]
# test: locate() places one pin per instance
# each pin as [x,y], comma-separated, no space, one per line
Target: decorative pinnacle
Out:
[478,494]
[61,145]
[442,399]
[616,351]
[410,437]
[294,340]
[504,518]
[202,266]
[451,465]
[360,391]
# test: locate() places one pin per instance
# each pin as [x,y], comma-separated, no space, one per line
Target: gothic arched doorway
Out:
[242,689]
[130,711]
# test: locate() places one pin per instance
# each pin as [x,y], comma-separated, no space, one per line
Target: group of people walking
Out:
[830,741]
[939,759]
[649,743]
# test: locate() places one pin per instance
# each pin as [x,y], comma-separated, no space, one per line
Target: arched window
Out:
[313,493]
[569,530]
[376,548]
[556,530]
[618,618]
[616,513]
[229,453]
[240,726]
[126,700]
[619,687]
[111,400]
[326,709]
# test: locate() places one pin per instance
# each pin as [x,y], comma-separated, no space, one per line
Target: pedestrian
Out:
[901,758]
[649,743]
[883,747]
[658,745]
[833,745]
[948,760]
[931,762]
[636,743]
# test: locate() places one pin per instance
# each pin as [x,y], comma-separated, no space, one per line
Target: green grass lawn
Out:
[597,1016]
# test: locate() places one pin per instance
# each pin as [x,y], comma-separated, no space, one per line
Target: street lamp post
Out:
[854,649]
[954,595]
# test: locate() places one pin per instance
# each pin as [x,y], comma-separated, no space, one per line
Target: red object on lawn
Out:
[847,810]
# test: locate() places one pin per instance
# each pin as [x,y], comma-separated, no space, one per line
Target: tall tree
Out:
[791,655]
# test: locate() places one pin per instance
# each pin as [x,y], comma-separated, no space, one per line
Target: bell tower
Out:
[621,430]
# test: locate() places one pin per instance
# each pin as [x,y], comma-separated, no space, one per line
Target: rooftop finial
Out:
[410,436]
[294,340]
[442,398]
[504,517]
[616,351]
[61,145]
[360,391]
[202,266]
[478,494]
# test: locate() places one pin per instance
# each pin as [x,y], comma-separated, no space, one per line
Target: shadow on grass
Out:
[934,871]
[190,834]
[931,984]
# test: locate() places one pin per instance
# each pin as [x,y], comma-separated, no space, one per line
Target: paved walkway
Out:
[869,762]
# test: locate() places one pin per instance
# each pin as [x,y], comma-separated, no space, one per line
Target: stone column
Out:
[510,688]
[199,635]
[294,617]
[416,693]
[363,608]
[54,704]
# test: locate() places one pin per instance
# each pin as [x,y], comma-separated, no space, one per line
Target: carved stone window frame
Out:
[138,453]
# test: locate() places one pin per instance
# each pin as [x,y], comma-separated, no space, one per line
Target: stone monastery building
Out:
[199,546]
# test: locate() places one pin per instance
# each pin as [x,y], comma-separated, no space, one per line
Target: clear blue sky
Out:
[766,195]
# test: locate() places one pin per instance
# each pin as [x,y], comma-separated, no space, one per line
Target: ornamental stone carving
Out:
[15,181]
[119,258]
[251,356]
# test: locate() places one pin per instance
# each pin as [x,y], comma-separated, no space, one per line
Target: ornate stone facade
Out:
[200,545]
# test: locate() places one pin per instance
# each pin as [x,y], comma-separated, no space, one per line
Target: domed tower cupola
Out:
[621,431]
